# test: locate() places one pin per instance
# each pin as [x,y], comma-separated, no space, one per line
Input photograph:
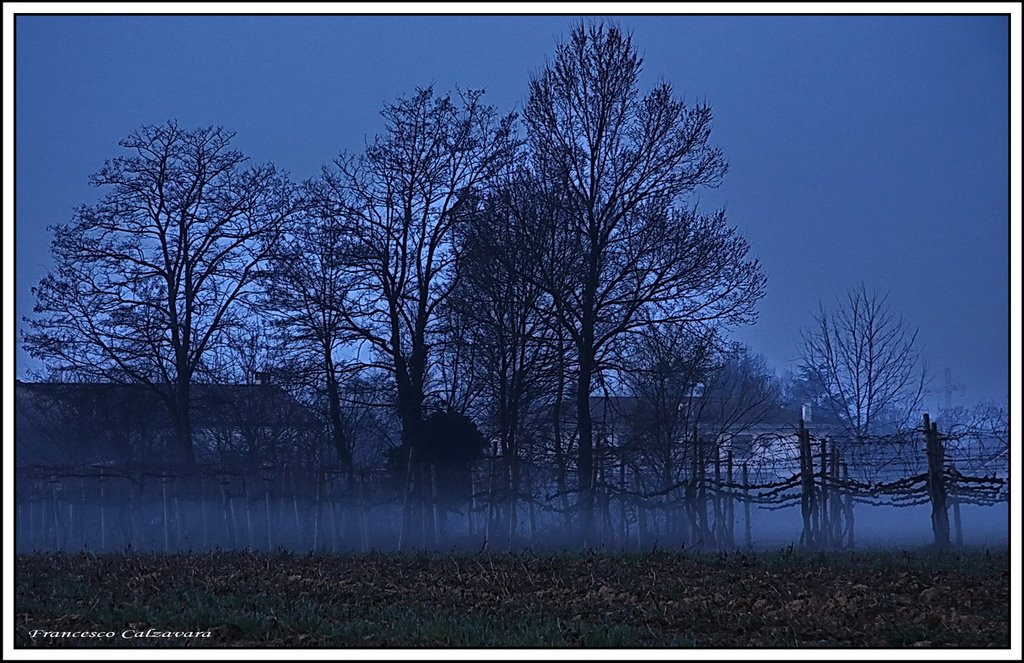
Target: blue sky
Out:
[860,147]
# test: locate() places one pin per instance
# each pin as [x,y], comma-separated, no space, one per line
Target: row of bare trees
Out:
[465,264]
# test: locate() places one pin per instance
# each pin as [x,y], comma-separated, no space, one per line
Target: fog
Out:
[173,515]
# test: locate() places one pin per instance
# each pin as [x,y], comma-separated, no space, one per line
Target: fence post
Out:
[167,530]
[103,511]
[936,484]
[717,503]
[318,510]
[433,501]
[835,517]
[954,493]
[730,505]
[746,508]
[824,528]
[807,538]
[267,483]
[848,506]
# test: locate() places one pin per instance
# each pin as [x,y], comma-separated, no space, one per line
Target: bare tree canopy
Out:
[864,357]
[146,281]
[624,257]
[398,204]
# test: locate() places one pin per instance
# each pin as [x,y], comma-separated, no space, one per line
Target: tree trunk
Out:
[183,422]
[586,450]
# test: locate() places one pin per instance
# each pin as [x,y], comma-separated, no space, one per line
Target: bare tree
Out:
[306,286]
[146,281]
[399,204]
[864,356]
[624,258]
[500,323]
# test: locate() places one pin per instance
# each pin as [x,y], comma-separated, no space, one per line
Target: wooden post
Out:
[747,540]
[807,538]
[177,514]
[31,524]
[835,520]
[531,508]
[641,512]
[228,509]
[702,495]
[730,505]
[318,511]
[266,499]
[403,532]
[848,507]
[936,484]
[202,508]
[472,503]
[954,494]
[248,512]
[424,512]
[623,524]
[490,495]
[167,529]
[433,502]
[363,543]
[103,511]
[55,504]
[824,528]
[719,515]
[299,534]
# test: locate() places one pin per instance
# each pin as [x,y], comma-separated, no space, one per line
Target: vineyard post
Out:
[363,543]
[641,515]
[835,517]
[299,537]
[936,484]
[746,507]
[848,506]
[433,499]
[824,528]
[202,508]
[178,538]
[954,494]
[623,524]
[248,512]
[57,525]
[807,538]
[719,511]
[267,479]
[103,511]
[318,511]
[167,530]
[730,510]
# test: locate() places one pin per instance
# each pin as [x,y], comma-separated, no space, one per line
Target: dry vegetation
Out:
[783,599]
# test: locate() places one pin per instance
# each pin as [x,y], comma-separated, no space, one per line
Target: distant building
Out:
[764,437]
[84,424]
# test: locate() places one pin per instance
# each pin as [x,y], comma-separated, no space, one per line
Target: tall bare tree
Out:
[864,356]
[146,281]
[399,204]
[503,324]
[306,286]
[618,161]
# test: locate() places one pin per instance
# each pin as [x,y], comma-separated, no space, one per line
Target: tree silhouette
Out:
[864,356]
[146,281]
[625,258]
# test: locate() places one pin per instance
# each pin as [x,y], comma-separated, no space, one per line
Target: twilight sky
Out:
[860,147]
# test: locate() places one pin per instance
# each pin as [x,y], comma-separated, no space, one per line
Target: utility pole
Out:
[947,390]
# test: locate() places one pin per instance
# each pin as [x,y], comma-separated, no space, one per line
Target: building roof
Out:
[57,421]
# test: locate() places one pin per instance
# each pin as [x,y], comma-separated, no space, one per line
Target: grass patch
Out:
[656,599]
